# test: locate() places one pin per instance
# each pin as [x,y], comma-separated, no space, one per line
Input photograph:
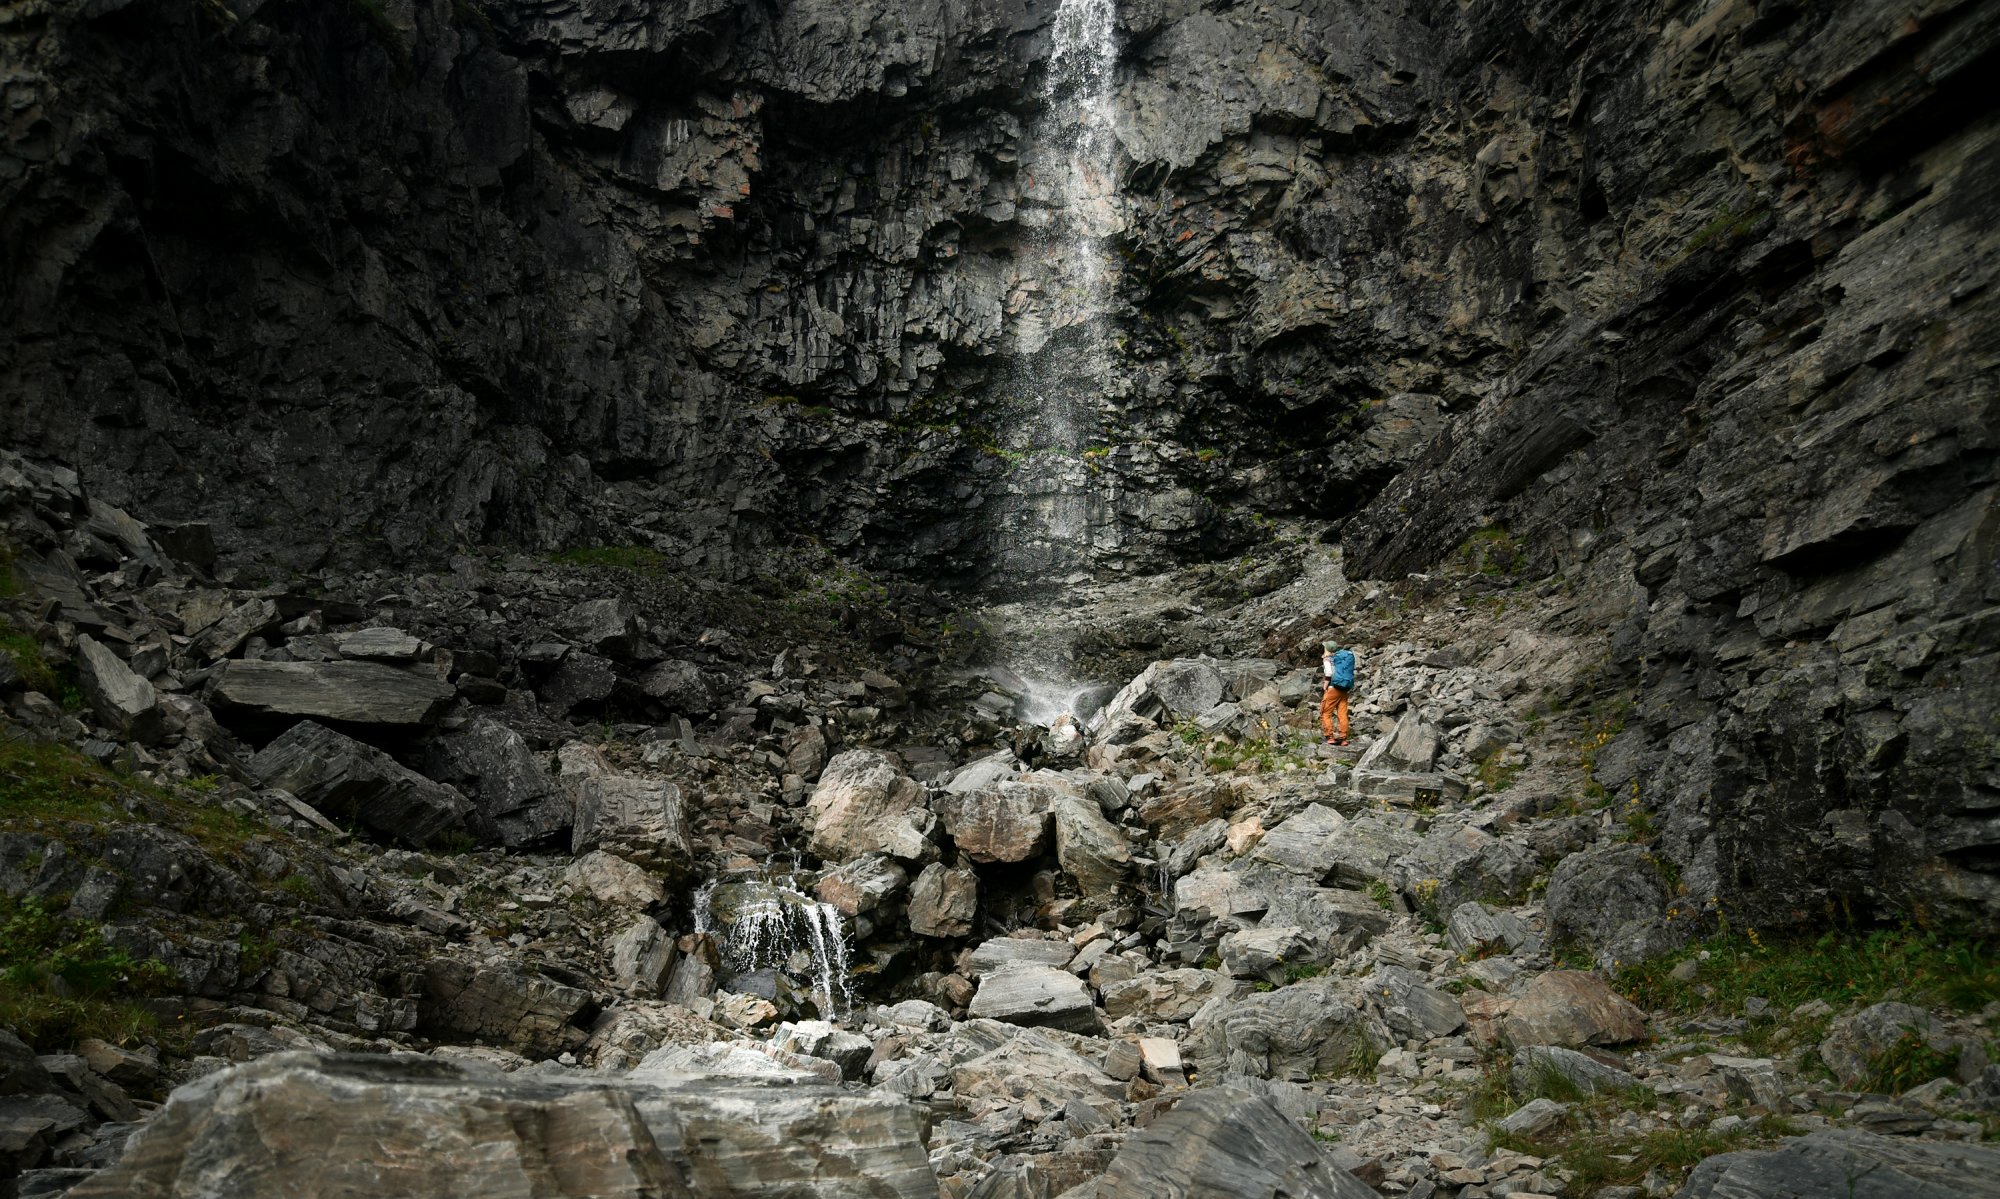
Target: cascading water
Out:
[772,924]
[1063,368]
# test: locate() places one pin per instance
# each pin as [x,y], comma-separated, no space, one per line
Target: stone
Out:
[357,783]
[609,625]
[849,1052]
[863,804]
[1411,749]
[641,957]
[1295,1033]
[679,687]
[1303,843]
[1476,930]
[380,644]
[1090,848]
[1855,1043]
[1363,850]
[1170,691]
[368,694]
[805,753]
[1037,996]
[1854,1165]
[943,901]
[252,618]
[1002,822]
[580,680]
[1160,1059]
[1168,996]
[1226,1142]
[1535,1063]
[503,1003]
[1570,1007]
[1410,1006]
[1613,901]
[1534,1119]
[492,766]
[399,1126]
[610,879]
[126,703]
[1026,1062]
[639,819]
[867,884]
[1270,952]
[1002,953]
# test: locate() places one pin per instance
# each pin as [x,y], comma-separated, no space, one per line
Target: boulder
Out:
[1364,849]
[490,764]
[1031,1063]
[1613,901]
[1457,863]
[866,884]
[943,901]
[252,618]
[1853,1165]
[641,820]
[805,752]
[1534,1065]
[379,644]
[1309,1029]
[863,804]
[1090,848]
[579,680]
[1169,996]
[1001,822]
[1570,1007]
[610,879]
[1270,953]
[849,1052]
[1411,1006]
[1002,953]
[1303,844]
[1412,748]
[400,1126]
[1533,1119]
[1856,1043]
[641,957]
[1166,692]
[610,625]
[1037,996]
[121,699]
[349,781]
[679,687]
[245,694]
[1226,1141]
[503,1004]
[1476,930]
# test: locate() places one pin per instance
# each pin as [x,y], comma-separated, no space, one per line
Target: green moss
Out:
[1492,551]
[1839,967]
[60,981]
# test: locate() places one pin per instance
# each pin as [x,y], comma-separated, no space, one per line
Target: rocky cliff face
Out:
[1686,305]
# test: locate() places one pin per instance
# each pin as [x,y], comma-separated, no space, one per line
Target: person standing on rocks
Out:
[1337,665]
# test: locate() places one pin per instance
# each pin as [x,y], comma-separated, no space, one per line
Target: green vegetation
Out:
[1498,775]
[1838,967]
[1908,1063]
[1379,892]
[60,981]
[1492,551]
[1600,1160]
[54,788]
[1727,227]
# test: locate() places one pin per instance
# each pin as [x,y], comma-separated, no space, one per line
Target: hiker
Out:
[1337,665]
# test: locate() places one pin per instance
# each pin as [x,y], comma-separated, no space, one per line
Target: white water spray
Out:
[774,924]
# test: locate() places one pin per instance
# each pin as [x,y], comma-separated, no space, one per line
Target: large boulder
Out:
[639,819]
[263,694]
[1226,1141]
[1570,1007]
[1181,689]
[1090,848]
[1613,901]
[1852,1165]
[1028,1063]
[1855,1045]
[1169,996]
[1410,1006]
[121,699]
[1535,1066]
[1304,843]
[1037,996]
[490,763]
[863,804]
[349,781]
[317,1126]
[504,1004]
[1412,748]
[943,900]
[1309,1029]
[1002,822]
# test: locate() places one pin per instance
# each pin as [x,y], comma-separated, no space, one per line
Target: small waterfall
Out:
[772,924]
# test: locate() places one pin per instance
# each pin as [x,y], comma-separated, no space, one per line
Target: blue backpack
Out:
[1343,668]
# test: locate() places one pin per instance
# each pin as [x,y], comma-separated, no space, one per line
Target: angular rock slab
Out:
[491,763]
[350,781]
[1006,822]
[505,1004]
[1037,996]
[1847,1163]
[863,804]
[317,1126]
[122,700]
[357,693]
[1226,1142]
[943,901]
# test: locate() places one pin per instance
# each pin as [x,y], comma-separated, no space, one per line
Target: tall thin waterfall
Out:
[1061,323]
[1059,306]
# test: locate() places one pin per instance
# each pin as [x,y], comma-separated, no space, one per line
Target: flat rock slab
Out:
[354,693]
[1570,1007]
[1852,1164]
[1226,1142]
[316,1126]
[1037,996]
[1002,953]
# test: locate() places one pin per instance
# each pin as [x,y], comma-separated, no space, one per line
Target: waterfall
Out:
[773,924]
[1061,336]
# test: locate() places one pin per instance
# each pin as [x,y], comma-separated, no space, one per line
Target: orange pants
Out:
[1333,704]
